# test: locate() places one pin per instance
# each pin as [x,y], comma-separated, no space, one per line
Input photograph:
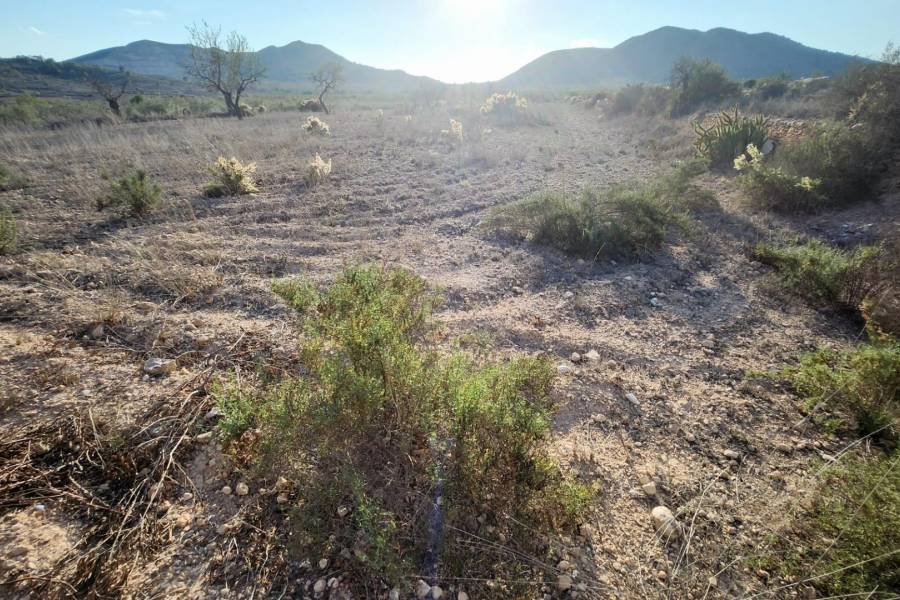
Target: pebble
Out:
[204,437]
[564,369]
[731,454]
[343,511]
[319,586]
[666,524]
[592,356]
[394,594]
[323,564]
[281,498]
[631,398]
[159,366]
[226,490]
[242,489]
[563,583]
[422,589]
[462,596]
[649,488]
[575,357]
[436,592]
[564,565]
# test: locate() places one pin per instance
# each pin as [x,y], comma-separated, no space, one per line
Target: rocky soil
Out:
[696,462]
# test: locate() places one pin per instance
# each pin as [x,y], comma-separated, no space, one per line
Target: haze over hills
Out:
[286,66]
[649,58]
[644,58]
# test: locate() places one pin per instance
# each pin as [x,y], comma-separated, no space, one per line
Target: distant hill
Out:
[287,67]
[649,58]
[48,78]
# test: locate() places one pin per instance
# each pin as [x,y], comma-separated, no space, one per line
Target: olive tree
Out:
[327,78]
[223,64]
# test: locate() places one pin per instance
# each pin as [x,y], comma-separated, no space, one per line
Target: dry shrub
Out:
[316,126]
[455,132]
[230,178]
[318,171]
[9,232]
[508,108]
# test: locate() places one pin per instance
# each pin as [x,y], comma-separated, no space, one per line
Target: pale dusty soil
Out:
[192,284]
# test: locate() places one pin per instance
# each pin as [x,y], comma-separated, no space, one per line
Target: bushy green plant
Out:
[230,178]
[10,180]
[383,436]
[728,136]
[622,222]
[863,384]
[821,272]
[135,194]
[771,188]
[845,544]
[771,87]
[698,82]
[9,232]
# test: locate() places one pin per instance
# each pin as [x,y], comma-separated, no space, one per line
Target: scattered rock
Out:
[159,366]
[203,437]
[282,485]
[226,490]
[565,369]
[394,594]
[343,511]
[214,413]
[631,398]
[564,582]
[666,524]
[281,498]
[242,489]
[649,488]
[422,589]
[592,356]
[323,564]
[436,592]
[575,357]
[564,565]
[731,454]
[320,586]
[462,596]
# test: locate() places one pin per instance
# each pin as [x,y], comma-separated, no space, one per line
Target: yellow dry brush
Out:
[318,171]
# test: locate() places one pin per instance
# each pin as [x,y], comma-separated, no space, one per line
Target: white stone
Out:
[422,589]
[343,511]
[592,355]
[242,489]
[666,524]
[226,490]
[563,582]
[436,592]
[649,488]
[320,586]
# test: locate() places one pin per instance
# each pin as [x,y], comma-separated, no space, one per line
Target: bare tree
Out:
[223,64]
[327,78]
[111,90]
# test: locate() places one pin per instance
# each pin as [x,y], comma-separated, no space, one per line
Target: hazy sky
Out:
[452,40]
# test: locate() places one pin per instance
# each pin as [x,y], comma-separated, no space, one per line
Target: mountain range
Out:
[644,58]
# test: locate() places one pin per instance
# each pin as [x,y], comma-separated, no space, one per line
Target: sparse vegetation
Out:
[9,232]
[318,171]
[316,126]
[824,274]
[622,222]
[230,178]
[845,543]
[728,136]
[385,438]
[10,180]
[770,187]
[327,79]
[862,384]
[135,195]
[641,99]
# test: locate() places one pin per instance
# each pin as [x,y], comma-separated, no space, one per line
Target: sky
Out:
[451,40]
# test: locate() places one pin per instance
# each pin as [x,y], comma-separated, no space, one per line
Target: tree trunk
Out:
[114,106]
[233,108]
[322,103]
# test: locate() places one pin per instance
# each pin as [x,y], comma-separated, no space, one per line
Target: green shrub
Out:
[841,159]
[771,188]
[644,100]
[230,178]
[9,232]
[845,544]
[862,384]
[822,273]
[623,222]
[380,425]
[772,87]
[728,136]
[134,194]
[9,180]
[698,82]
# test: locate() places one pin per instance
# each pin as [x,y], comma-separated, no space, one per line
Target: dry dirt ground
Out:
[664,401]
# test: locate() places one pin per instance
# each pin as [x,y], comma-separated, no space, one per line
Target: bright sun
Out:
[468,10]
